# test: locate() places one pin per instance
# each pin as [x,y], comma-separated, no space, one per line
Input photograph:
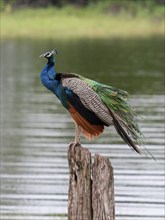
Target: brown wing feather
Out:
[89,98]
[89,131]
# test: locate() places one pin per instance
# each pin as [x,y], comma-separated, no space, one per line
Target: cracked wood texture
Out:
[91,187]
[103,203]
[79,195]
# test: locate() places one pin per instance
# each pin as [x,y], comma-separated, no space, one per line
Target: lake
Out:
[36,130]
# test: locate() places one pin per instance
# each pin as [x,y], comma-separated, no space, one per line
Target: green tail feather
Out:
[116,100]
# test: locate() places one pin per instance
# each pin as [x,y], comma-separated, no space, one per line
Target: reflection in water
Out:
[37,130]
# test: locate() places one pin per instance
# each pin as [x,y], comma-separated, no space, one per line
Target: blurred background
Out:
[117,42]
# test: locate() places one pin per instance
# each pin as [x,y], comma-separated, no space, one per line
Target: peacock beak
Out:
[42,55]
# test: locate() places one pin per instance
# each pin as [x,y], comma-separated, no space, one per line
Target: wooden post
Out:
[103,203]
[91,187]
[79,196]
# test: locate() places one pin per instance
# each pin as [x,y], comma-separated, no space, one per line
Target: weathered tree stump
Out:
[103,203]
[79,202]
[91,187]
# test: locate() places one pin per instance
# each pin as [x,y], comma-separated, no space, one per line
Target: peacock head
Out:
[50,55]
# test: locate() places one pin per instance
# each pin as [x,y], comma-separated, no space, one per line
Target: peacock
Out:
[92,105]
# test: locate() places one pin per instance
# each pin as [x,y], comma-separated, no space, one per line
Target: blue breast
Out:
[48,78]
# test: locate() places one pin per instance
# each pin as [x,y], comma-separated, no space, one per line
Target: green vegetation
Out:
[101,20]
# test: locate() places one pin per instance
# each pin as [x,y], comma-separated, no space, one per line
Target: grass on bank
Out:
[70,22]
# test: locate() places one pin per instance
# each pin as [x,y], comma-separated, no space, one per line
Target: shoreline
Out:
[53,23]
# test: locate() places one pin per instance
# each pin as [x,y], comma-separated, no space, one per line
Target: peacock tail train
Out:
[116,101]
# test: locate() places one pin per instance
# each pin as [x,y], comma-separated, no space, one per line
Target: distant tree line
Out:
[81,3]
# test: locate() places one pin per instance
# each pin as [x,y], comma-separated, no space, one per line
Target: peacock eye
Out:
[48,54]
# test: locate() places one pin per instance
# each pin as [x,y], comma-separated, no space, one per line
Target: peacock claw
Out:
[77,141]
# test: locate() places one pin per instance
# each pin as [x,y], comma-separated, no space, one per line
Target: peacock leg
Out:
[77,134]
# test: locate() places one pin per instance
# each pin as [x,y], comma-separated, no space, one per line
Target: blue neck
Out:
[51,60]
[48,73]
[50,67]
[48,78]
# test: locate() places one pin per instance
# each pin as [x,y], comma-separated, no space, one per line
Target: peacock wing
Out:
[88,97]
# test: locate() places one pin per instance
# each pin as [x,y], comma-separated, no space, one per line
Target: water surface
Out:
[36,130]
